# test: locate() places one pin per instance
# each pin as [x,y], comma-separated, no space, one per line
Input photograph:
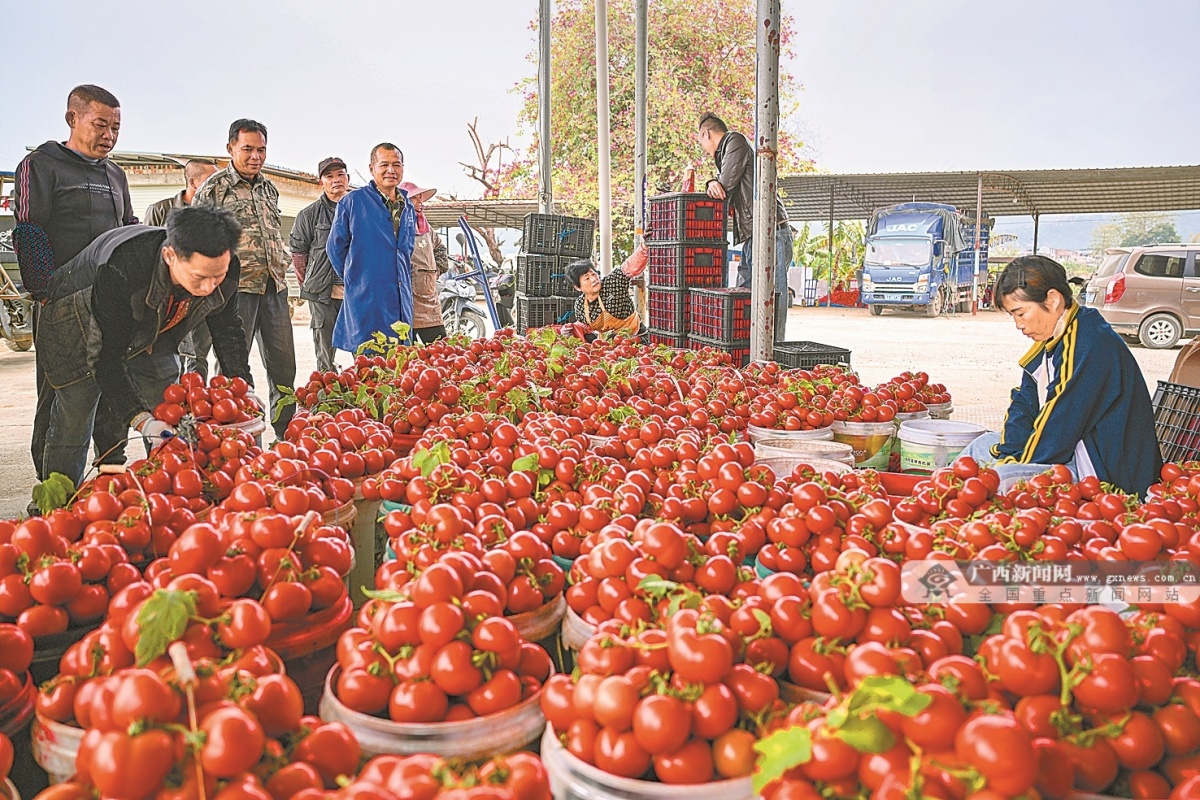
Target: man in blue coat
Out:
[370,248]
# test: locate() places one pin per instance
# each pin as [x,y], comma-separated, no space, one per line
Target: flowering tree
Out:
[701,58]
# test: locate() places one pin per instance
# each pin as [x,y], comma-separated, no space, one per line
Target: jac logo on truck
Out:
[899,226]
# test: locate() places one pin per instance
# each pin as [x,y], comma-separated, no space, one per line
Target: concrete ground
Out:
[975,357]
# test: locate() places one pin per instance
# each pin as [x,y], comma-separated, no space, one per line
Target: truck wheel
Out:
[936,304]
[1159,331]
[876,310]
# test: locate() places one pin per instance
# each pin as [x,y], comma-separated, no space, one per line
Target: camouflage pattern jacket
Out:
[256,205]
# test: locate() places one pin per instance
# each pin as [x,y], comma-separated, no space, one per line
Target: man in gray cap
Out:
[319,284]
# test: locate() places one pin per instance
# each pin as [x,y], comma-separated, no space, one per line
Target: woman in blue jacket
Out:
[1082,401]
[370,248]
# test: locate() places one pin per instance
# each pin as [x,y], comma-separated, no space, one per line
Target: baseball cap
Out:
[330,163]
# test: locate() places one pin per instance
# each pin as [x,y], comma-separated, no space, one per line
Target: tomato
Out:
[244,624]
[418,701]
[453,669]
[935,727]
[16,648]
[692,763]
[733,753]
[1000,750]
[1111,686]
[620,754]
[141,695]
[501,691]
[234,744]
[1139,745]
[130,767]
[1180,729]
[287,600]
[277,703]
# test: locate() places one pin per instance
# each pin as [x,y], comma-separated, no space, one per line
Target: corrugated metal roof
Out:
[486,213]
[1005,192]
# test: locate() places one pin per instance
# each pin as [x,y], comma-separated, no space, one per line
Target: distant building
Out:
[154,176]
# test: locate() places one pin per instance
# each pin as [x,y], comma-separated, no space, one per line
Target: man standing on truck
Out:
[66,195]
[262,294]
[734,183]
[319,284]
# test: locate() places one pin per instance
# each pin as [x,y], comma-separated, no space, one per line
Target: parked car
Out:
[1151,293]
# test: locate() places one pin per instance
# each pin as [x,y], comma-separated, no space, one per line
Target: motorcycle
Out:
[457,296]
[16,306]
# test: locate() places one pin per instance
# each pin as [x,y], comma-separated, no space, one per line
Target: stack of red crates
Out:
[686,240]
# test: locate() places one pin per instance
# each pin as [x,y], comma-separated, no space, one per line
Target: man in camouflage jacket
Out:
[262,291]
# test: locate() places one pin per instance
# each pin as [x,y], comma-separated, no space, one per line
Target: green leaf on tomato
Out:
[527,463]
[779,752]
[163,619]
[54,492]
[866,735]
[887,692]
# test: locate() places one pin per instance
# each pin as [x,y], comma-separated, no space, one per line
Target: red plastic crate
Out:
[677,340]
[668,310]
[739,351]
[720,314]
[687,265]
[686,217]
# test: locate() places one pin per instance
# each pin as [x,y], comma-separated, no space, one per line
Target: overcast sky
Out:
[888,86]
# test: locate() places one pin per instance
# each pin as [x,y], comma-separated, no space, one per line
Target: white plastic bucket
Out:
[781,446]
[871,442]
[470,740]
[818,434]
[575,632]
[926,445]
[572,779]
[940,410]
[55,746]
[782,466]
[8,790]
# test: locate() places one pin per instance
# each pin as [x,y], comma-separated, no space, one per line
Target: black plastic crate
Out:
[669,310]
[542,276]
[687,265]
[686,217]
[740,351]
[806,355]
[720,314]
[538,312]
[677,340]
[555,235]
[1177,421]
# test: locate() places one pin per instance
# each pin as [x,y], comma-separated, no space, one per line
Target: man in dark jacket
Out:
[66,195]
[319,284]
[734,158]
[114,317]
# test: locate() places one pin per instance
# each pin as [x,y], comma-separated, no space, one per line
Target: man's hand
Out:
[715,190]
[636,264]
[152,428]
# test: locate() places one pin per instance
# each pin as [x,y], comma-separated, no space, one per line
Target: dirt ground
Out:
[976,357]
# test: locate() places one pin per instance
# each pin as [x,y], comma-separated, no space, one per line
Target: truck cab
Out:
[920,256]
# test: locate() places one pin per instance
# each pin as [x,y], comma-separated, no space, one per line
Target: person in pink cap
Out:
[428,261]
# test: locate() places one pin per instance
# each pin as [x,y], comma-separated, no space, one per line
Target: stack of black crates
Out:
[690,308]
[550,243]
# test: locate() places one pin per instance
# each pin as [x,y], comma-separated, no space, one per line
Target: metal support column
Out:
[762,281]
[829,277]
[1035,232]
[641,50]
[603,144]
[545,174]
[978,226]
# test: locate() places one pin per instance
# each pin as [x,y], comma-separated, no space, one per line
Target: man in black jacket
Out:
[66,195]
[734,158]
[319,284]
[114,317]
